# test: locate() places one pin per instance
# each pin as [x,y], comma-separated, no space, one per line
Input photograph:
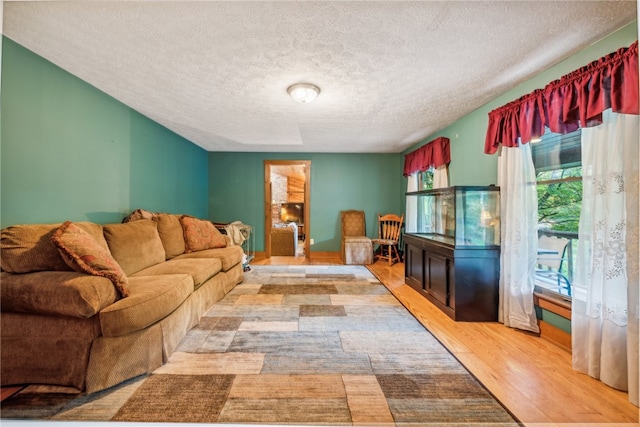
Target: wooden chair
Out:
[389,227]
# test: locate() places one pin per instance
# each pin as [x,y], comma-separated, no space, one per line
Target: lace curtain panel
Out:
[441,177]
[519,237]
[605,295]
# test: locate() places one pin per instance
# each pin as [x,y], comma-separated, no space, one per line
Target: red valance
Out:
[575,100]
[433,154]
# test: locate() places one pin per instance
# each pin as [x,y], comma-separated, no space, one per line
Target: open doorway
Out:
[286,207]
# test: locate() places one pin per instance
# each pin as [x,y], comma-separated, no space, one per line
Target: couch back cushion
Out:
[95,230]
[170,231]
[135,245]
[28,248]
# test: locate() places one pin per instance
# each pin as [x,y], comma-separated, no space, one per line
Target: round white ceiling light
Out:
[303,93]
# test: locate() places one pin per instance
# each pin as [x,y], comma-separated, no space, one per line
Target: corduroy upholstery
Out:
[61,327]
[228,256]
[135,245]
[44,349]
[283,241]
[28,248]
[355,247]
[151,299]
[200,270]
[58,293]
[170,232]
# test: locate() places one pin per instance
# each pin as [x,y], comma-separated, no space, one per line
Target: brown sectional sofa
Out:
[68,328]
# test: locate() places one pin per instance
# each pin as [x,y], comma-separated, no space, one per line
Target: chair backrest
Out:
[352,223]
[389,226]
[551,251]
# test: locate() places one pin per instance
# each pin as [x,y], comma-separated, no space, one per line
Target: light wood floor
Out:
[531,376]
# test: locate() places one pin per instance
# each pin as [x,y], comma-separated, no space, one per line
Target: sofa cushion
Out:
[200,269]
[200,234]
[27,248]
[61,293]
[95,230]
[229,256]
[135,245]
[151,299]
[82,253]
[171,234]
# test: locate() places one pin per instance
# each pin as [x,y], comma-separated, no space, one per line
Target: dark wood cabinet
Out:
[462,282]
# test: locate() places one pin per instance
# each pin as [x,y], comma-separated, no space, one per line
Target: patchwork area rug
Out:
[308,345]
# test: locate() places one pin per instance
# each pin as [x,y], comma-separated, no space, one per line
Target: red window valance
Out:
[575,100]
[433,154]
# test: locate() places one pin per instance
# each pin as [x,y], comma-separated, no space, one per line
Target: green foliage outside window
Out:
[559,199]
[426,180]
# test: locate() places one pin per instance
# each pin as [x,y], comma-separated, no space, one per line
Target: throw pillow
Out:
[84,254]
[200,234]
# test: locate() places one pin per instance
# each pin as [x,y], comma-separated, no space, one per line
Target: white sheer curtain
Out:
[440,177]
[605,297]
[411,209]
[519,237]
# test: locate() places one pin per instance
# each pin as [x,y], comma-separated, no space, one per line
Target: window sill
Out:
[553,302]
[558,305]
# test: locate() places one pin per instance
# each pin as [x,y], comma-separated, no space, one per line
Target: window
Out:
[557,160]
[414,211]
[425,180]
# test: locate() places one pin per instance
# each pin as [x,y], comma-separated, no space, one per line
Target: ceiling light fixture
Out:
[303,93]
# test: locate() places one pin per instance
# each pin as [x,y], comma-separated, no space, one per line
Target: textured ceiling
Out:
[390,72]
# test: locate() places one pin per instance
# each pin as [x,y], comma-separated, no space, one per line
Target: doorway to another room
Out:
[287,209]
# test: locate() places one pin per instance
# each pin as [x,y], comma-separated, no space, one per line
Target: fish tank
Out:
[462,216]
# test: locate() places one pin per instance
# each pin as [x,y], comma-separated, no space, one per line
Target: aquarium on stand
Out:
[452,249]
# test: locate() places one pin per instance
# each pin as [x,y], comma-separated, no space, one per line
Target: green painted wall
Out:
[69,151]
[367,182]
[469,165]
